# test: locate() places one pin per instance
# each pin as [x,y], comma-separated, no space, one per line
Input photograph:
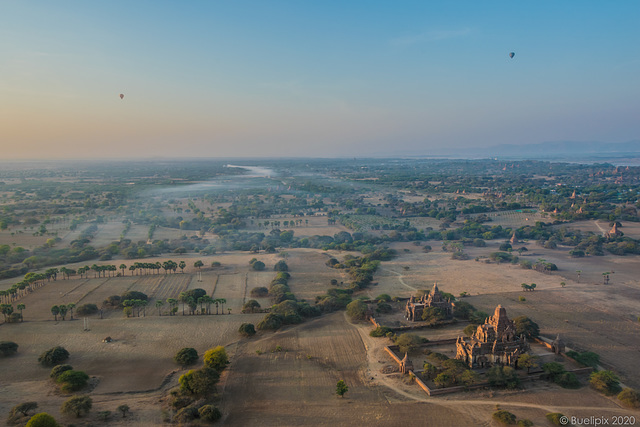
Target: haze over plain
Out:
[284,78]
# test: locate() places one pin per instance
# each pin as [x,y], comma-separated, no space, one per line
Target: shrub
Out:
[59,369]
[72,380]
[281,266]
[553,371]
[247,329]
[258,265]
[568,380]
[271,321]
[357,310]
[469,330]
[216,358]
[605,382]
[199,382]
[186,356]
[7,348]
[629,398]
[504,417]
[251,306]
[187,414]
[408,342]
[53,356]
[86,309]
[383,298]
[24,408]
[555,417]
[383,307]
[259,292]
[380,331]
[209,413]
[526,327]
[524,423]
[130,295]
[588,358]
[77,405]
[42,420]
[499,376]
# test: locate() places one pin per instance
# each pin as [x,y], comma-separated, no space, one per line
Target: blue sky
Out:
[302,78]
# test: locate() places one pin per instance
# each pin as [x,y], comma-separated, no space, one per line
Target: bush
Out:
[469,330]
[53,356]
[59,369]
[526,327]
[42,420]
[271,321]
[72,380]
[259,292]
[555,417]
[383,298]
[186,356]
[281,266]
[130,295]
[499,376]
[199,382]
[258,265]
[77,405]
[380,331]
[251,306]
[588,358]
[24,408]
[504,417]
[383,307]
[524,423]
[7,348]
[247,329]
[209,413]
[357,310]
[216,358]
[629,398]
[605,382]
[86,309]
[187,414]
[408,342]
[568,380]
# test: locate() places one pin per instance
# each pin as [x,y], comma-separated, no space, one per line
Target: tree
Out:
[251,306]
[124,409]
[199,382]
[504,417]
[42,420]
[21,307]
[6,309]
[605,382]
[70,307]
[499,376]
[24,408]
[55,310]
[247,329]
[77,405]
[186,356]
[123,267]
[281,266]
[182,266]
[341,388]
[59,369]
[527,361]
[159,304]
[72,380]
[629,398]
[216,358]
[53,356]
[63,311]
[7,348]
[258,265]
[526,327]
[198,264]
[209,413]
[408,342]
[357,310]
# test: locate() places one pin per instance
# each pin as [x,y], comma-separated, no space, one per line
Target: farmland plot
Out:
[172,285]
[233,288]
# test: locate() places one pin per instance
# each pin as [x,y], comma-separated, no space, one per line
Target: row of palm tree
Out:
[63,310]
[7,310]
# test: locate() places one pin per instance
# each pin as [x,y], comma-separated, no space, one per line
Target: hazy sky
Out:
[313,78]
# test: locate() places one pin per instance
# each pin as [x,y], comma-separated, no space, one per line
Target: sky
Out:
[312,78]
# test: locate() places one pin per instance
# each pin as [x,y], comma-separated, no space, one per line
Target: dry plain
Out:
[296,386]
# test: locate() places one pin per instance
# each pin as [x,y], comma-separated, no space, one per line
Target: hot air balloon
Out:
[121,95]
[512,54]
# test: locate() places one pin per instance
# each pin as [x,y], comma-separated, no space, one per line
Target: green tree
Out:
[408,342]
[629,398]
[341,388]
[186,356]
[53,356]
[527,361]
[198,264]
[59,369]
[72,380]
[42,420]
[504,417]
[247,329]
[21,307]
[55,310]
[357,310]
[605,382]
[526,327]
[123,267]
[209,413]
[182,266]
[199,382]
[216,358]
[281,266]
[258,265]
[77,405]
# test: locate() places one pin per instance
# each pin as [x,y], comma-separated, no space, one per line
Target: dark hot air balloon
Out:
[512,54]
[121,95]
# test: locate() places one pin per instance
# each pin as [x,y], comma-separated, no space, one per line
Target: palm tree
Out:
[63,311]
[71,306]
[123,268]
[222,303]
[182,265]
[216,302]
[159,303]
[198,264]
[171,302]
[55,310]
[21,307]
[6,310]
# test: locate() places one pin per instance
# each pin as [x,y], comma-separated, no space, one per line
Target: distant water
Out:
[255,171]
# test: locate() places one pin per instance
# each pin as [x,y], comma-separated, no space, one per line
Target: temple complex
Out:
[415,307]
[494,343]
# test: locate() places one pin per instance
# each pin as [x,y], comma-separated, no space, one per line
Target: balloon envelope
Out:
[512,54]
[121,95]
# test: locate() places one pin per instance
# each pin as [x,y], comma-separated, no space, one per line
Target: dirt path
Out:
[400,279]
[602,230]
